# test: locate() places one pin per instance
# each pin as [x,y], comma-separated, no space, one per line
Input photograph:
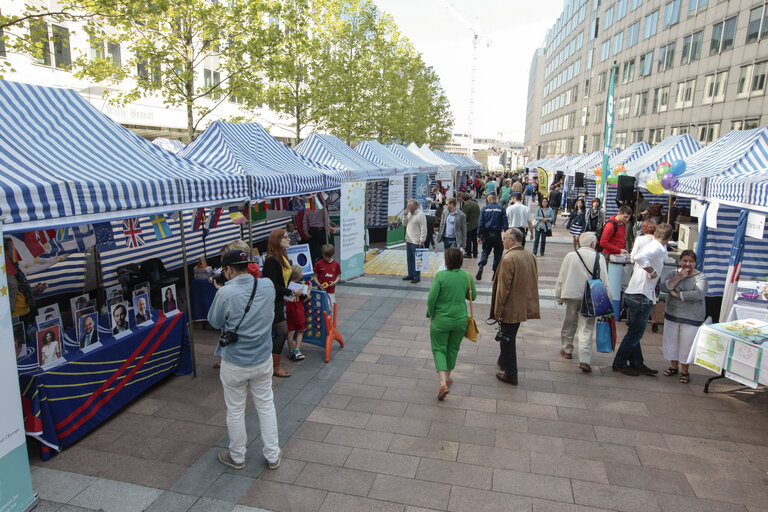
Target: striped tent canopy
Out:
[412,158]
[633,152]
[65,163]
[451,158]
[472,164]
[557,164]
[375,152]
[595,160]
[575,162]
[736,165]
[674,147]
[174,146]
[276,170]
[425,154]
[331,151]
[474,161]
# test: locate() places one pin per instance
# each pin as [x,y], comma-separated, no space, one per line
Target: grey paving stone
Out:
[494,457]
[313,431]
[496,421]
[47,506]
[280,497]
[661,458]
[465,499]
[377,406]
[312,451]
[424,447]
[172,502]
[200,476]
[589,417]
[335,479]
[73,508]
[613,497]
[115,496]
[677,503]
[731,491]
[410,492]
[382,462]
[630,437]
[540,505]
[462,434]
[563,429]
[358,438]
[339,417]
[397,425]
[287,472]
[455,473]
[529,442]
[335,502]
[351,377]
[229,488]
[212,505]
[533,485]
[384,381]
[568,467]
[435,413]
[243,508]
[60,486]
[525,409]
[706,447]
[557,399]
[601,451]
[648,478]
[354,389]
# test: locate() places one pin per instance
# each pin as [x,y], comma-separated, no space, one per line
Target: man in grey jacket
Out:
[453,226]
[415,234]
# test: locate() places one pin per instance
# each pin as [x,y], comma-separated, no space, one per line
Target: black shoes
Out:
[479,274]
[626,370]
[416,281]
[408,278]
[644,370]
[503,378]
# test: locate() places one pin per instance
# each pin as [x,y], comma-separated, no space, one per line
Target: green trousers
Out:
[446,336]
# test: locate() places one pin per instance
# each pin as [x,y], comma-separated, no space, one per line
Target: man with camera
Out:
[243,310]
[517,271]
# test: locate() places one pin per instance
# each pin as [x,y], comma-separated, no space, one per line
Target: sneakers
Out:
[644,370]
[298,356]
[226,459]
[276,464]
[626,370]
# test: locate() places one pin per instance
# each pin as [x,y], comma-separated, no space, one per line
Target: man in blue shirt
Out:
[492,222]
[247,362]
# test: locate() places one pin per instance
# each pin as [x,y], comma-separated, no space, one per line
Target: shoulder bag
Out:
[471,332]
[227,338]
[595,301]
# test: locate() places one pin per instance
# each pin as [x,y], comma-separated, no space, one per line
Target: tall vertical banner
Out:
[352,215]
[15,481]
[395,207]
[608,135]
[544,183]
[422,186]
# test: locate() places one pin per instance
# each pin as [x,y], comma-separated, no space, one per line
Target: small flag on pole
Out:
[280,204]
[105,239]
[62,234]
[237,216]
[258,211]
[132,233]
[199,219]
[213,218]
[162,229]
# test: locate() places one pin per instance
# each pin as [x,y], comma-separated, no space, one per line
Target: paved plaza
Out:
[366,433]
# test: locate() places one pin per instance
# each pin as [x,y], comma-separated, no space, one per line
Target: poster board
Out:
[543,182]
[395,207]
[352,214]
[299,255]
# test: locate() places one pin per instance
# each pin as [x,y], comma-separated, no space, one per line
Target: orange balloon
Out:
[598,171]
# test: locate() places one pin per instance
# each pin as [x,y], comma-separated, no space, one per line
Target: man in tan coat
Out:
[517,272]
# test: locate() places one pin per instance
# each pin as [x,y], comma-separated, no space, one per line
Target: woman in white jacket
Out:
[569,290]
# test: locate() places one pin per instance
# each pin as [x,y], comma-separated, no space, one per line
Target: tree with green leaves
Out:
[194,54]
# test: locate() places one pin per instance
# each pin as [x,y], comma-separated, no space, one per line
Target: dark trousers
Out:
[280,332]
[316,243]
[524,231]
[491,242]
[508,350]
[539,237]
[471,249]
[478,192]
[629,352]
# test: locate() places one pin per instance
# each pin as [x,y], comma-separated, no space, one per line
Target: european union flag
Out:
[105,239]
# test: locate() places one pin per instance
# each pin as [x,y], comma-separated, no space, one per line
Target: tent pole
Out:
[250,229]
[186,293]
[669,209]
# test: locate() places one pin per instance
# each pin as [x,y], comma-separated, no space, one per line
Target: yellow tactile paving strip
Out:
[392,262]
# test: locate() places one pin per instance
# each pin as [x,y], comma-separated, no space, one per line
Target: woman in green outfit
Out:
[447,310]
[506,191]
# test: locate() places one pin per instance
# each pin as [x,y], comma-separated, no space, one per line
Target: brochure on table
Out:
[734,347]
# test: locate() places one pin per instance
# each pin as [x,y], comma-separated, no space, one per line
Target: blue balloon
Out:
[678,167]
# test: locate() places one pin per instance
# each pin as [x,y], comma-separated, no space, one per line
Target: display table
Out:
[201,294]
[64,403]
[727,352]
[741,311]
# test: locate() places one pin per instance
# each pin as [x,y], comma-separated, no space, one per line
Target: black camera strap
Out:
[248,306]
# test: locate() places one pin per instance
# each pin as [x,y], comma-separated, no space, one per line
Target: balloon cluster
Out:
[612,178]
[666,177]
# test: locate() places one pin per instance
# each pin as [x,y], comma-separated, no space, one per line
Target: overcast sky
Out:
[515,27]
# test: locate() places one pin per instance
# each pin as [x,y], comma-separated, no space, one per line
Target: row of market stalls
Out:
[725,185]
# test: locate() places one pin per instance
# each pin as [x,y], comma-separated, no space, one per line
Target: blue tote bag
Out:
[595,301]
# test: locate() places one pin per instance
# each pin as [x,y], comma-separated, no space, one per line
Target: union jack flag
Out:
[132,232]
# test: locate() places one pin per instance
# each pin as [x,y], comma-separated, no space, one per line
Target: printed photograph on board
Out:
[118,315]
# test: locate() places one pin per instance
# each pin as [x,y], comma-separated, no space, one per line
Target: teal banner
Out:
[608,136]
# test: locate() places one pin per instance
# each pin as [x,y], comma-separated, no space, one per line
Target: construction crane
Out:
[477,38]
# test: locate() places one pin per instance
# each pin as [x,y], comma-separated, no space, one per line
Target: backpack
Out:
[599,233]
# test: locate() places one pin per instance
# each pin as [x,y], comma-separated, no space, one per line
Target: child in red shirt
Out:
[296,316]
[328,273]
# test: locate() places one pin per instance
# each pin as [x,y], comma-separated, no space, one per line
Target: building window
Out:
[709,132]
[597,142]
[618,42]
[758,78]
[62,58]
[148,72]
[692,47]
[41,47]
[633,34]
[211,80]
[696,6]
[684,95]
[646,64]
[636,136]
[620,140]
[608,18]
[655,135]
[671,13]
[745,77]
[757,28]
[598,117]
[622,107]
[650,23]
[641,104]
[628,72]
[722,36]
[605,51]
[634,4]
[97,48]
[601,82]
[714,87]
[113,52]
[621,9]
[660,100]
[666,57]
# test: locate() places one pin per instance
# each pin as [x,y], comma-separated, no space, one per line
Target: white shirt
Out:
[518,215]
[651,254]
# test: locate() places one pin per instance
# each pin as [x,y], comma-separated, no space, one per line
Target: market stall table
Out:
[201,294]
[64,403]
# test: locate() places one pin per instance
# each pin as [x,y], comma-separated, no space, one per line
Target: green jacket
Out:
[472,210]
[447,300]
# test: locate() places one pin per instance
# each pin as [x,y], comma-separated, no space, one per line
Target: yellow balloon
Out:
[654,186]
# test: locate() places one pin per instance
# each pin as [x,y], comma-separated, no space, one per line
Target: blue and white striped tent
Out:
[472,164]
[413,159]
[632,153]
[736,166]
[275,169]
[674,147]
[64,163]
[595,160]
[451,158]
[174,146]
[574,163]
[375,152]
[331,151]
[426,154]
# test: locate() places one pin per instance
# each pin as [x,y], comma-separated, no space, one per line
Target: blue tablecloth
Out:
[201,294]
[66,402]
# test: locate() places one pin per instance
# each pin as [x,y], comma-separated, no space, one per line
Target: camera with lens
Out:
[227,338]
[501,336]
[220,279]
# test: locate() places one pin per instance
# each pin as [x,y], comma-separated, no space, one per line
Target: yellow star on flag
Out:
[4,291]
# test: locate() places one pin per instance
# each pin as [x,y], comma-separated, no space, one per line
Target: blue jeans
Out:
[540,235]
[410,256]
[449,243]
[629,352]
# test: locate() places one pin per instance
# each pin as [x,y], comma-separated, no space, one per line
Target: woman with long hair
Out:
[594,218]
[576,221]
[277,269]
[542,224]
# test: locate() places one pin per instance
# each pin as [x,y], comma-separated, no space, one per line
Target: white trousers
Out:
[580,326]
[678,340]
[236,380]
